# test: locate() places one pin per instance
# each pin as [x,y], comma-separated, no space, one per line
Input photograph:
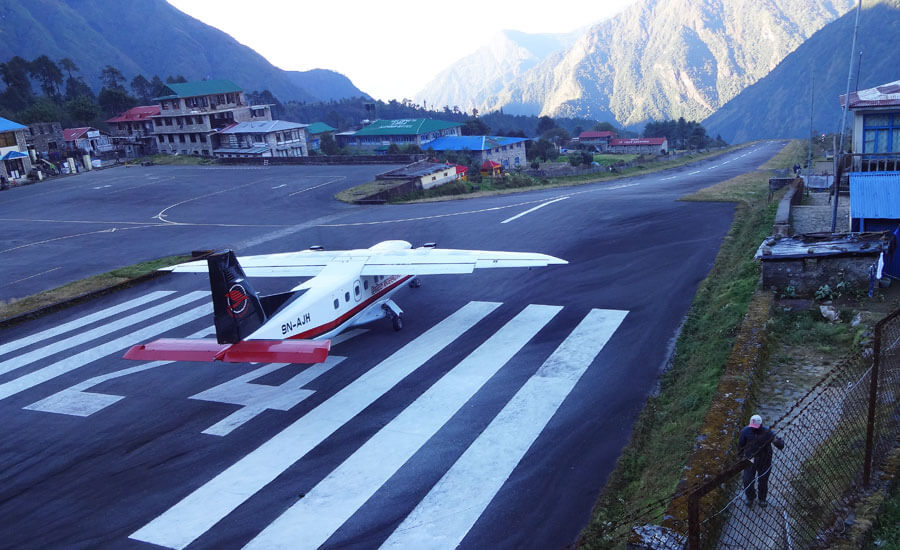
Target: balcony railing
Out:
[869,162]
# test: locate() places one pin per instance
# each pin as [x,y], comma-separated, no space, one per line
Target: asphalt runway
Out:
[490,421]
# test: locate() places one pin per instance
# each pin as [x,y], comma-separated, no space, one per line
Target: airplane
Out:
[346,288]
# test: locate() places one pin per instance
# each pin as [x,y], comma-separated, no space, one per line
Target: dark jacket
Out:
[756,444]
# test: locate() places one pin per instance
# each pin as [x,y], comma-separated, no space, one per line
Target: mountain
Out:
[148,37]
[326,85]
[779,104]
[473,79]
[662,59]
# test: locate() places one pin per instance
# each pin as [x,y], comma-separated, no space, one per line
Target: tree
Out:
[114,101]
[81,110]
[76,87]
[18,94]
[603,127]
[328,145]
[180,79]
[68,65]
[42,110]
[143,89]
[45,71]
[475,127]
[112,78]
[159,87]
[545,124]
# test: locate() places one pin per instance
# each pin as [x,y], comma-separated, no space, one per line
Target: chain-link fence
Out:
[834,437]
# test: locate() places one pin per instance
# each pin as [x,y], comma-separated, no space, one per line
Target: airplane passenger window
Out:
[346,296]
[336,303]
[366,284]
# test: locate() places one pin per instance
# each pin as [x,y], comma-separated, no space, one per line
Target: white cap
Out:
[755,421]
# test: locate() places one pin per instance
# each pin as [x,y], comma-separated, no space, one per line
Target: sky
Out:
[390,50]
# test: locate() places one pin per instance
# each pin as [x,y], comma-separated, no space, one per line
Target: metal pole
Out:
[873,398]
[811,102]
[837,184]
[694,521]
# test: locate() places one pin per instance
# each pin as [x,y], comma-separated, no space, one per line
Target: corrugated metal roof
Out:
[405,127]
[812,245]
[879,96]
[875,195]
[472,143]
[142,112]
[9,126]
[14,155]
[319,128]
[261,127]
[203,87]
[71,134]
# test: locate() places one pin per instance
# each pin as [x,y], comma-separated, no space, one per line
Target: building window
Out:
[8,139]
[517,161]
[881,133]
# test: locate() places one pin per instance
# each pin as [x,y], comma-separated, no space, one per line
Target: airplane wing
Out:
[437,261]
[415,261]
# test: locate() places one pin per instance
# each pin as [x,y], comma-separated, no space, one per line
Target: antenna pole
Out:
[840,151]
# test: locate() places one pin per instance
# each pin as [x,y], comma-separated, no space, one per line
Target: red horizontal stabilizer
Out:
[177,349]
[248,351]
[277,351]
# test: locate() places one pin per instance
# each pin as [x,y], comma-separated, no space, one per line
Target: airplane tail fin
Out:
[237,309]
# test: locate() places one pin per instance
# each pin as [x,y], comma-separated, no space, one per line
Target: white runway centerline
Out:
[312,520]
[199,511]
[446,514]
[530,210]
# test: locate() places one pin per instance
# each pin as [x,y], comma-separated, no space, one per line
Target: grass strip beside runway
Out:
[662,438]
[89,285]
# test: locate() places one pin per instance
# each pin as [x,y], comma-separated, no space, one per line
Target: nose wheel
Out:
[415,283]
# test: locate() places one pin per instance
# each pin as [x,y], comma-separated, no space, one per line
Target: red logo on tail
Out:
[236,298]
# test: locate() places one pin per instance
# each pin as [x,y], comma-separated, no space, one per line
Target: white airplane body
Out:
[347,288]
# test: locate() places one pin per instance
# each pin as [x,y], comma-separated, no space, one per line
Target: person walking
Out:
[755,444]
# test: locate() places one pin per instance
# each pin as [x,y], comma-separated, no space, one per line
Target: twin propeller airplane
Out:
[347,288]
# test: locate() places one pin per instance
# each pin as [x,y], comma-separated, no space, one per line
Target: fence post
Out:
[694,521]
[873,398]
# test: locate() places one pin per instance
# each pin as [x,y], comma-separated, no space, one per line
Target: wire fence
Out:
[834,438]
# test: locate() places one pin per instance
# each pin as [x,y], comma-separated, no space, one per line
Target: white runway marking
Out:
[10,283]
[77,401]
[312,520]
[530,210]
[80,359]
[449,510]
[694,172]
[82,321]
[88,335]
[257,398]
[667,179]
[198,512]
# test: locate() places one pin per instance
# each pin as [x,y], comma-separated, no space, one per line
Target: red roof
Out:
[489,164]
[137,113]
[596,135]
[638,141]
[71,134]
[461,169]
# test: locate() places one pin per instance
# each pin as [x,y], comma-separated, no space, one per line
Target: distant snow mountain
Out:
[658,59]
[472,80]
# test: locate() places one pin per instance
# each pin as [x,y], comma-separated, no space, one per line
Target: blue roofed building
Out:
[509,152]
[13,150]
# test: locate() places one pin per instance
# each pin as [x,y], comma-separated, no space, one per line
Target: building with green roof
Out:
[405,131]
[316,130]
[192,113]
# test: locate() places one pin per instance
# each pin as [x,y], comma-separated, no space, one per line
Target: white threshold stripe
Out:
[80,359]
[82,321]
[199,511]
[530,210]
[315,518]
[83,337]
[77,401]
[446,514]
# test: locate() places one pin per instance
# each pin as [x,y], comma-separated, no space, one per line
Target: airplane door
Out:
[357,292]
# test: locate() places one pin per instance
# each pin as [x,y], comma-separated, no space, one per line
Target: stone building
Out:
[639,146]
[269,138]
[508,152]
[132,131]
[598,139]
[192,112]
[46,139]
[315,132]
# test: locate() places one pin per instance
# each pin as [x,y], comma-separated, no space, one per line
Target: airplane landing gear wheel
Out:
[397,321]
[415,283]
